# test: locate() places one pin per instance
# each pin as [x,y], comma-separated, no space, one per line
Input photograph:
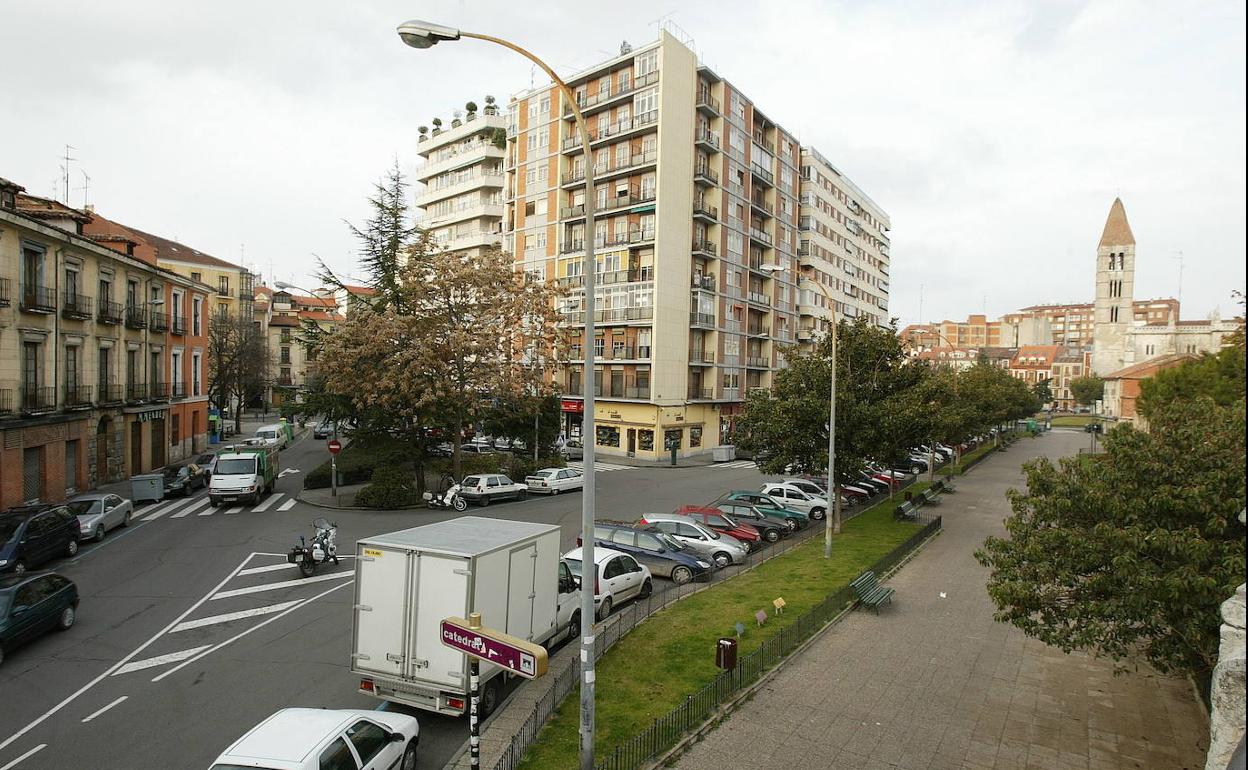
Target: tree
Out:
[513,415]
[1219,376]
[238,362]
[1087,390]
[1130,553]
[1043,392]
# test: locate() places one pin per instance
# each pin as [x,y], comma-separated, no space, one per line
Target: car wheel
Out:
[71,547]
[574,625]
[126,521]
[772,535]
[524,495]
[604,609]
[489,698]
[722,559]
[790,525]
[66,619]
[554,491]
[99,533]
[647,588]
[681,575]
[409,756]
[816,514]
[19,568]
[484,501]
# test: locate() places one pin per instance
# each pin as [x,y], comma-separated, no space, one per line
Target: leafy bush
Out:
[391,487]
[357,462]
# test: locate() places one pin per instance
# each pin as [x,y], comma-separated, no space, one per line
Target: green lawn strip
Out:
[1074,420]
[672,654]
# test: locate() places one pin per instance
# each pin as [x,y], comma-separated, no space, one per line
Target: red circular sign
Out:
[334,445]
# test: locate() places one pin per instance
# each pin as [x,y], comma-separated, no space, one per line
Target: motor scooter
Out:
[323,548]
[448,498]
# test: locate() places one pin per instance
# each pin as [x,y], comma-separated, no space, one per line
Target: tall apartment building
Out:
[1070,325]
[102,352]
[462,199]
[696,236]
[844,247]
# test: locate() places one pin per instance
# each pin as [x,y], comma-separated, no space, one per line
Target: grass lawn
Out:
[1074,420]
[672,654]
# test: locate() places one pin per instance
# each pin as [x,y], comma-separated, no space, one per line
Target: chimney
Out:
[89,208]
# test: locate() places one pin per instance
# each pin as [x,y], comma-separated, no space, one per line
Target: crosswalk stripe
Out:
[191,508]
[228,616]
[600,467]
[236,509]
[286,506]
[161,510]
[266,568]
[267,503]
[736,464]
[159,660]
[280,585]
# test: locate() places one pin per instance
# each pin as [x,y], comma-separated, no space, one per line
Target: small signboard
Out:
[516,655]
[334,446]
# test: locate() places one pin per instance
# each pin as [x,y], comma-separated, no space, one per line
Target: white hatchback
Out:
[791,497]
[321,739]
[619,577]
[555,480]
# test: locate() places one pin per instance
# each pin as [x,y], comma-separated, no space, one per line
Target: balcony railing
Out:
[757,330]
[38,399]
[705,247]
[179,391]
[761,236]
[632,237]
[285,381]
[617,128]
[38,299]
[159,391]
[75,306]
[699,393]
[701,357]
[136,392]
[6,401]
[109,312]
[702,319]
[617,314]
[607,94]
[5,298]
[707,102]
[160,321]
[179,325]
[136,316]
[611,167]
[703,210]
[108,394]
[761,173]
[758,298]
[704,282]
[78,396]
[757,362]
[225,291]
[762,206]
[704,173]
[707,138]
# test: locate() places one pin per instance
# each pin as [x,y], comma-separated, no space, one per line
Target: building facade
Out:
[284,315]
[844,247]
[102,355]
[462,174]
[696,237]
[1122,387]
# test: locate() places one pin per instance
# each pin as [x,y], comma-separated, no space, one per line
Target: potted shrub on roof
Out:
[490,109]
[456,122]
[437,126]
[424,133]
[472,111]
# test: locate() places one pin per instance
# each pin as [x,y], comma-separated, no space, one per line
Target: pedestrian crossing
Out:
[198,506]
[736,464]
[602,467]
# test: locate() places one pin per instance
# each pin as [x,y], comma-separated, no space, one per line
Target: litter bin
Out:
[724,454]
[149,486]
[726,653]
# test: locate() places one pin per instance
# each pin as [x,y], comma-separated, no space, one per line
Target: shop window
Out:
[608,436]
[695,436]
[645,440]
[672,438]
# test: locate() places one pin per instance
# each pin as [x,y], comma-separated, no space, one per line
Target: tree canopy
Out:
[1219,376]
[1087,390]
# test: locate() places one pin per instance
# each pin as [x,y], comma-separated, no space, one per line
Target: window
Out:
[646,102]
[71,366]
[32,266]
[368,739]
[223,285]
[608,435]
[31,369]
[337,756]
[196,309]
[614,568]
[647,62]
[195,359]
[695,436]
[645,440]
[285,359]
[175,431]
[672,438]
[1113,315]
[197,277]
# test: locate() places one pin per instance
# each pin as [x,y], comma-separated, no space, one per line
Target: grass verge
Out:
[1074,420]
[672,654]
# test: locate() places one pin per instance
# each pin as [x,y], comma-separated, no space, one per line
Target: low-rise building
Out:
[1034,363]
[1122,388]
[284,315]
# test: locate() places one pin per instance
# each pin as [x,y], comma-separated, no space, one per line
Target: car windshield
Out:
[83,507]
[236,466]
[174,471]
[574,566]
[472,481]
[8,528]
[266,434]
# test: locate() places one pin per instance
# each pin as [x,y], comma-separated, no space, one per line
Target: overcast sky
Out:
[996,134]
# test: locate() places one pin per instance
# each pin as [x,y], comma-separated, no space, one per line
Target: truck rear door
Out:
[382,583]
[520,595]
[442,591]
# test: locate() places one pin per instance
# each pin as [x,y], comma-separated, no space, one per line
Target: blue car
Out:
[664,556]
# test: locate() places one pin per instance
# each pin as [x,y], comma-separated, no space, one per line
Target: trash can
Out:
[724,454]
[149,486]
[726,653]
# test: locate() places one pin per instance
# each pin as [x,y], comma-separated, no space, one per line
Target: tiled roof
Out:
[172,250]
[44,208]
[366,291]
[1148,368]
[284,320]
[1117,231]
[320,315]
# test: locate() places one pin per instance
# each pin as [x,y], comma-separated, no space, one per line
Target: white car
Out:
[792,497]
[316,739]
[555,480]
[485,488]
[619,577]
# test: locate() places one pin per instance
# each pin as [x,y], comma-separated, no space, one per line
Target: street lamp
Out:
[833,488]
[421,34]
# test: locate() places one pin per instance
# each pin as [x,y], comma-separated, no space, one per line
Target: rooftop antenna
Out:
[920,303]
[86,187]
[1179,257]
[67,158]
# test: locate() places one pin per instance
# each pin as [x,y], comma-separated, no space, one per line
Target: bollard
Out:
[673,456]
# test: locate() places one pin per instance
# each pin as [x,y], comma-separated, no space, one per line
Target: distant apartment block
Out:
[462,174]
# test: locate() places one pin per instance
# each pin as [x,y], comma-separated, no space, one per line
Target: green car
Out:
[32,603]
[769,507]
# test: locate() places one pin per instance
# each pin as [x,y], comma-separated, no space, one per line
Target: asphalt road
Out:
[192,628]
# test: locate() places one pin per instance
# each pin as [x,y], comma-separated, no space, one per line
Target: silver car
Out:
[98,512]
[720,548]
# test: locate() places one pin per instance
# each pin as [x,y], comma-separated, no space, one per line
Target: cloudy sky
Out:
[995,133]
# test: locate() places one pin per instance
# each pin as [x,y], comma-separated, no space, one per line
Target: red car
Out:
[720,522]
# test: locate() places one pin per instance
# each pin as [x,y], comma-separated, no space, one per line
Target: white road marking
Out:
[198,504]
[286,506]
[236,509]
[267,503]
[279,585]
[256,627]
[74,696]
[227,617]
[601,467]
[159,660]
[736,464]
[25,756]
[266,568]
[288,471]
[105,708]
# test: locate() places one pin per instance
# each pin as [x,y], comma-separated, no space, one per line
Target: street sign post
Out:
[478,643]
[334,446]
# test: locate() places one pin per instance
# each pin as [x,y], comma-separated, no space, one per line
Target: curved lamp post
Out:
[422,34]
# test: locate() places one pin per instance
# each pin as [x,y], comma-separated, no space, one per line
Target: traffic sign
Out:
[516,655]
[334,445]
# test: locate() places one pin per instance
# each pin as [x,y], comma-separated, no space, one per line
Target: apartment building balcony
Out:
[762,175]
[805,334]
[460,155]
[731,394]
[634,236]
[633,198]
[758,298]
[757,362]
[619,315]
[761,237]
[701,357]
[79,397]
[706,139]
[37,400]
[617,130]
[705,213]
[702,320]
[473,210]
[136,393]
[608,96]
[158,391]
[109,312]
[622,390]
[284,381]
[76,307]
[38,299]
[225,291]
[136,317]
[623,352]
[705,175]
[757,330]
[707,104]
[761,389]
[705,248]
[5,296]
[612,168]
[699,393]
[472,239]
[108,394]
[484,179]
[160,321]
[703,282]
[762,207]
[764,144]
[179,391]
[179,325]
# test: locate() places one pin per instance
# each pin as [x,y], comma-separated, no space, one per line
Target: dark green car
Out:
[32,603]
[769,507]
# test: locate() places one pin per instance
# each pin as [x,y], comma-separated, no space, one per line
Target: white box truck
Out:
[408,582]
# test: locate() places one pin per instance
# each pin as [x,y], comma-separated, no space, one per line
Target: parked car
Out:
[770,507]
[98,512]
[208,462]
[317,739]
[324,429]
[572,449]
[275,435]
[792,497]
[182,480]
[721,549]
[444,449]
[33,603]
[771,529]
[722,522]
[662,555]
[555,480]
[618,578]
[476,449]
[33,534]
[487,488]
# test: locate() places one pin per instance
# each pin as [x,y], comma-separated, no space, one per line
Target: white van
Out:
[273,435]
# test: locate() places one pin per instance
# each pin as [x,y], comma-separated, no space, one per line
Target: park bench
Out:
[930,496]
[906,510]
[870,592]
[947,485]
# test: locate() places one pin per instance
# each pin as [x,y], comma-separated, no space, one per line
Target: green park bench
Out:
[930,496]
[870,592]
[906,510]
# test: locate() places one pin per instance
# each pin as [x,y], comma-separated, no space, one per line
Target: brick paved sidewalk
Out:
[935,683]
